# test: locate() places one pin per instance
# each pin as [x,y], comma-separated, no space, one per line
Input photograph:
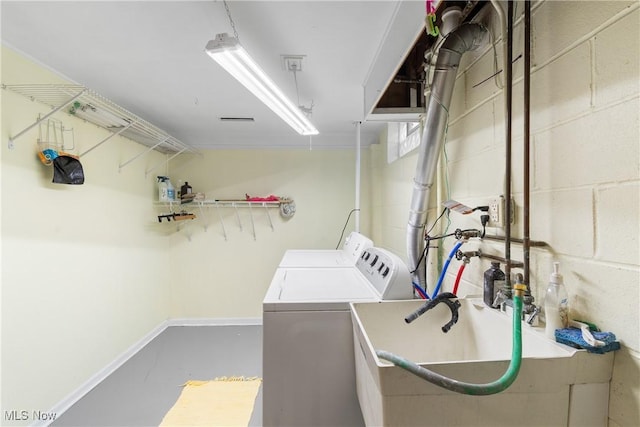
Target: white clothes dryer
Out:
[353,246]
[308,356]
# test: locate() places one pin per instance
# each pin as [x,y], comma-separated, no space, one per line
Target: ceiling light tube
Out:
[231,56]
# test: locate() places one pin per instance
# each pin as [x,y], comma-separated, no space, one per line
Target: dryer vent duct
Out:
[465,38]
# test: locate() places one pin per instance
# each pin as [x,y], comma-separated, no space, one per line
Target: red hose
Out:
[455,286]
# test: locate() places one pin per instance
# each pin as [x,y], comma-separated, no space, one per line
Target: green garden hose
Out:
[493,387]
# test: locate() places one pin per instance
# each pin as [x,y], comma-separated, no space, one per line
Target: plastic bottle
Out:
[171,192]
[494,280]
[185,189]
[556,304]
[163,195]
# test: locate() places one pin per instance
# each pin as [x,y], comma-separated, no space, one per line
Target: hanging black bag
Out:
[67,170]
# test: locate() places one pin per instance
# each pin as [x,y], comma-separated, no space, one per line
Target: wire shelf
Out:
[90,106]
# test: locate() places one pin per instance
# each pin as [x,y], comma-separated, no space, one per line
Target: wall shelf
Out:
[202,205]
[88,105]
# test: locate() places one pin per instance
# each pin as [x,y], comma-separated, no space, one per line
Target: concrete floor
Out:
[142,391]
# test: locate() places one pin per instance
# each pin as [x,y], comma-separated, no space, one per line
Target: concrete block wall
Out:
[585,168]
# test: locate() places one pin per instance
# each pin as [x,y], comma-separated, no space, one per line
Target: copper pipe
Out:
[532,243]
[527,129]
[512,263]
[509,102]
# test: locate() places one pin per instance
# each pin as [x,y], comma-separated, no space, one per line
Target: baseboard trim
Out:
[231,321]
[66,403]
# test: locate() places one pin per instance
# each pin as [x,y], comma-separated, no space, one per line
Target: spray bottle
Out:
[556,305]
[163,187]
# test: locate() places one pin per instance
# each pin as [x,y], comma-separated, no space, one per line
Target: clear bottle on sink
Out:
[556,304]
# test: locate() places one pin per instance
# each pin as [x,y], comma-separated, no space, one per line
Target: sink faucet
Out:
[533,316]
[445,297]
[502,296]
[530,311]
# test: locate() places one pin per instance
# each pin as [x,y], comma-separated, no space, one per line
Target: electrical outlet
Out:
[497,210]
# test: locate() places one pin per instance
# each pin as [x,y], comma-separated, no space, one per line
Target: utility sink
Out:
[556,386]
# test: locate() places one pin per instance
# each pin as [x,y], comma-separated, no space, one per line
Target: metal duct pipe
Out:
[465,38]
[503,31]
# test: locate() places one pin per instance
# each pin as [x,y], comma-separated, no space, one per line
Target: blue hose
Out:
[420,291]
[444,269]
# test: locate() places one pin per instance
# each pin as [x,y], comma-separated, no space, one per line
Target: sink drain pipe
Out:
[462,387]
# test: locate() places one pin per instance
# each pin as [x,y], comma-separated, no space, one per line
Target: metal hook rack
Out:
[88,105]
[235,205]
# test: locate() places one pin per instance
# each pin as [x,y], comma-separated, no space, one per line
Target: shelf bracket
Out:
[237,215]
[205,219]
[186,233]
[43,118]
[268,216]
[253,225]
[224,231]
[106,139]
[147,151]
[163,162]
[171,203]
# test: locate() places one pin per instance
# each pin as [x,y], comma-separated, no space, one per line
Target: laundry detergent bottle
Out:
[556,304]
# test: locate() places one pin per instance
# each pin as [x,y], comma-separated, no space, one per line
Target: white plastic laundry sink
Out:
[557,385]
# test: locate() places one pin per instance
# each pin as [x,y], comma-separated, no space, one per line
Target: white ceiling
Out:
[148,57]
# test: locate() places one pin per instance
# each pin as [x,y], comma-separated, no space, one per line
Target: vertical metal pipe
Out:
[509,96]
[357,202]
[527,128]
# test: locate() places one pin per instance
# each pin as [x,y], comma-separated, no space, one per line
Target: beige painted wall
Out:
[217,278]
[85,272]
[585,170]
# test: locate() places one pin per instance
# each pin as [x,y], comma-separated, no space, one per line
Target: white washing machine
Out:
[308,358]
[353,246]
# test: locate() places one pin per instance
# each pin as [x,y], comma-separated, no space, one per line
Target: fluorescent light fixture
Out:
[228,52]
